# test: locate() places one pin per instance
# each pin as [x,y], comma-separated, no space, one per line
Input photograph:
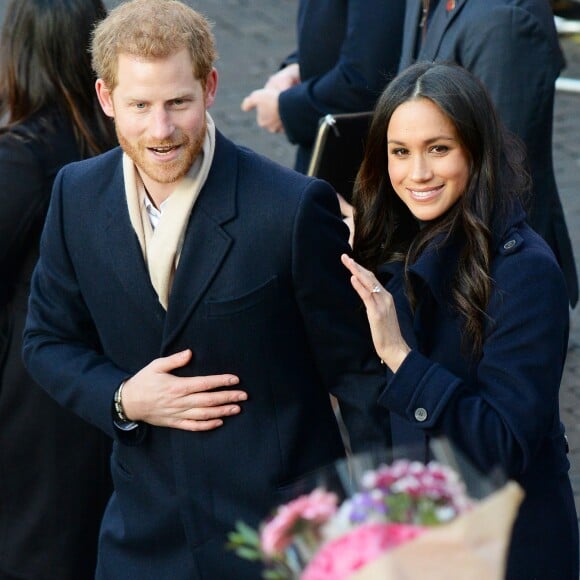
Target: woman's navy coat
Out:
[501,408]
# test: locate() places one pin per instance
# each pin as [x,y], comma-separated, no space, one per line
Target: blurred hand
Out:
[382,315]
[347,212]
[265,101]
[156,396]
[285,78]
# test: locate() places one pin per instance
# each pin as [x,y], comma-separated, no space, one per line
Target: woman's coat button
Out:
[421,414]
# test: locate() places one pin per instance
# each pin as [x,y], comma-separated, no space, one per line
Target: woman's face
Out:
[428,167]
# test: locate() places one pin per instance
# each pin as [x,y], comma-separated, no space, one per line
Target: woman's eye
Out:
[398,151]
[439,149]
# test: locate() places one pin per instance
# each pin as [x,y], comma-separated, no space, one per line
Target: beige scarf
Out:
[162,247]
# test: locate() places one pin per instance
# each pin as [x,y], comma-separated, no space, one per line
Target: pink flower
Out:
[314,509]
[339,558]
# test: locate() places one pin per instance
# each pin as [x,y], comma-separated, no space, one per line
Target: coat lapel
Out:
[444,15]
[412,19]
[124,250]
[206,243]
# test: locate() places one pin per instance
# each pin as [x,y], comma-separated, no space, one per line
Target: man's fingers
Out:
[210,413]
[248,103]
[203,418]
[168,363]
[193,425]
[165,365]
[213,399]
[209,382]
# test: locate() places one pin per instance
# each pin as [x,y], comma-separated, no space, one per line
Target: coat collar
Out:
[125,254]
[206,242]
[444,15]
[205,245]
[436,265]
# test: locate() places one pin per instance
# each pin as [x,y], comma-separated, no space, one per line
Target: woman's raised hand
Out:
[380,306]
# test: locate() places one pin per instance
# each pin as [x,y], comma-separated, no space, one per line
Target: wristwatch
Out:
[119,418]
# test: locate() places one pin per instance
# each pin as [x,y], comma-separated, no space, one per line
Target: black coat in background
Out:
[512,47]
[54,474]
[347,51]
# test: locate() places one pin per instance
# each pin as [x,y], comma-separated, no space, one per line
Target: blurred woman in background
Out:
[54,476]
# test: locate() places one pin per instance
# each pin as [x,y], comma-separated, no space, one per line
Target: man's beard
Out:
[172,171]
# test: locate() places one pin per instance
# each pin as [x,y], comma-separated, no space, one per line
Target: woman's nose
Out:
[421,170]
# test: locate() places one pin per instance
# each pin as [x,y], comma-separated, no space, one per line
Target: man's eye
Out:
[180,103]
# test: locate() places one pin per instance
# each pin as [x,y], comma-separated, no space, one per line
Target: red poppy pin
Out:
[450,5]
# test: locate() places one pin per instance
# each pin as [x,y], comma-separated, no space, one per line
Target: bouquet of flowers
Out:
[405,520]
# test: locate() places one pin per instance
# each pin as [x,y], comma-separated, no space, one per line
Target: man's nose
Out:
[161,125]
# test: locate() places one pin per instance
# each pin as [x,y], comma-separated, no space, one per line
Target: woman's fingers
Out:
[365,279]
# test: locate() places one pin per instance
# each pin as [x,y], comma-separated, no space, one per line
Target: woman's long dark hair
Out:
[385,229]
[44,63]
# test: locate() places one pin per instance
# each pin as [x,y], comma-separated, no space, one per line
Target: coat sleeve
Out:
[530,57]
[62,350]
[369,55]
[334,317]
[512,406]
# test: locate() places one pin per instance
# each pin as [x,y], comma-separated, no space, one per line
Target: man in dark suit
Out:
[512,47]
[347,52]
[189,301]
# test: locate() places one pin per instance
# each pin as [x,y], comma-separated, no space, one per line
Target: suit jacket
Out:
[347,52]
[512,47]
[259,292]
[54,467]
[501,408]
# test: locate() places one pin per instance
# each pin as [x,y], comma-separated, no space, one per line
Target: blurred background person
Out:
[347,52]
[54,473]
[472,321]
[512,47]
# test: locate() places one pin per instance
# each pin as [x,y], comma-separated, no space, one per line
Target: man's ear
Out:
[211,84]
[105,98]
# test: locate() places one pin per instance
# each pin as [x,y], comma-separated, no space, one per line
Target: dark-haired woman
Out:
[54,478]
[467,305]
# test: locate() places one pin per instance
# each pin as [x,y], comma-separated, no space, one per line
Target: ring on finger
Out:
[376,289]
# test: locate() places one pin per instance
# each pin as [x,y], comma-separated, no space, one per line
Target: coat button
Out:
[420,414]
[509,245]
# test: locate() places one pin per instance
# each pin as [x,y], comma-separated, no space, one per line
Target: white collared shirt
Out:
[153,213]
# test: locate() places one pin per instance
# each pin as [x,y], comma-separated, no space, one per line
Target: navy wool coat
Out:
[260,292]
[512,47]
[501,408]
